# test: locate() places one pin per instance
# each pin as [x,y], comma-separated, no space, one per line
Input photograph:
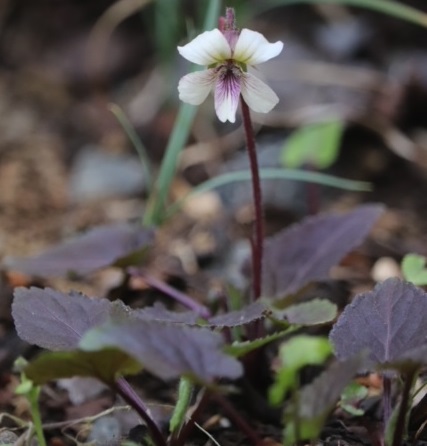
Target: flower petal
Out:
[207,48]
[253,48]
[227,94]
[258,95]
[194,88]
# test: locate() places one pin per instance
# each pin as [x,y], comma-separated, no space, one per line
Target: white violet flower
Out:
[227,55]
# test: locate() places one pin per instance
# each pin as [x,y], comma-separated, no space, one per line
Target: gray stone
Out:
[97,174]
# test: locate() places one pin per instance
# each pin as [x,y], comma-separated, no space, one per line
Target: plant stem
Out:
[185,390]
[313,194]
[400,428]
[237,419]
[35,414]
[182,298]
[190,424]
[257,250]
[386,398]
[124,389]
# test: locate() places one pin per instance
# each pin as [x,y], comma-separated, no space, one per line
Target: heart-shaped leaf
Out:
[389,321]
[98,248]
[104,365]
[307,251]
[414,269]
[166,350]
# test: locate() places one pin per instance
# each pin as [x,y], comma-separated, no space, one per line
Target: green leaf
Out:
[315,144]
[414,269]
[305,417]
[297,353]
[352,395]
[105,365]
[24,387]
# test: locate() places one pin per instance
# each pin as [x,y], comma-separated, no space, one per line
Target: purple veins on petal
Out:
[227,93]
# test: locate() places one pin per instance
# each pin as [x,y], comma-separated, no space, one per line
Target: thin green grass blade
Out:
[273,174]
[136,142]
[157,201]
[392,8]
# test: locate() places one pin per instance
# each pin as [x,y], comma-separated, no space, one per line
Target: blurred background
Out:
[67,164]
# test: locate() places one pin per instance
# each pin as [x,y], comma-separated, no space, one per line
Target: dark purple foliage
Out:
[166,350]
[54,320]
[58,321]
[159,313]
[250,313]
[246,315]
[98,248]
[389,321]
[306,251]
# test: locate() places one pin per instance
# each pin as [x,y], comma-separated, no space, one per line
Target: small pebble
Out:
[8,437]
[105,431]
[97,174]
[384,268]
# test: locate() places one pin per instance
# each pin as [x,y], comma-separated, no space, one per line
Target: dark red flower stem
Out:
[258,237]
[123,388]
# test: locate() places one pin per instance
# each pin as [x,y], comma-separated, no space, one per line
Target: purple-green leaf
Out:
[55,320]
[316,311]
[104,365]
[307,251]
[166,350]
[390,321]
[250,313]
[239,349]
[98,248]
